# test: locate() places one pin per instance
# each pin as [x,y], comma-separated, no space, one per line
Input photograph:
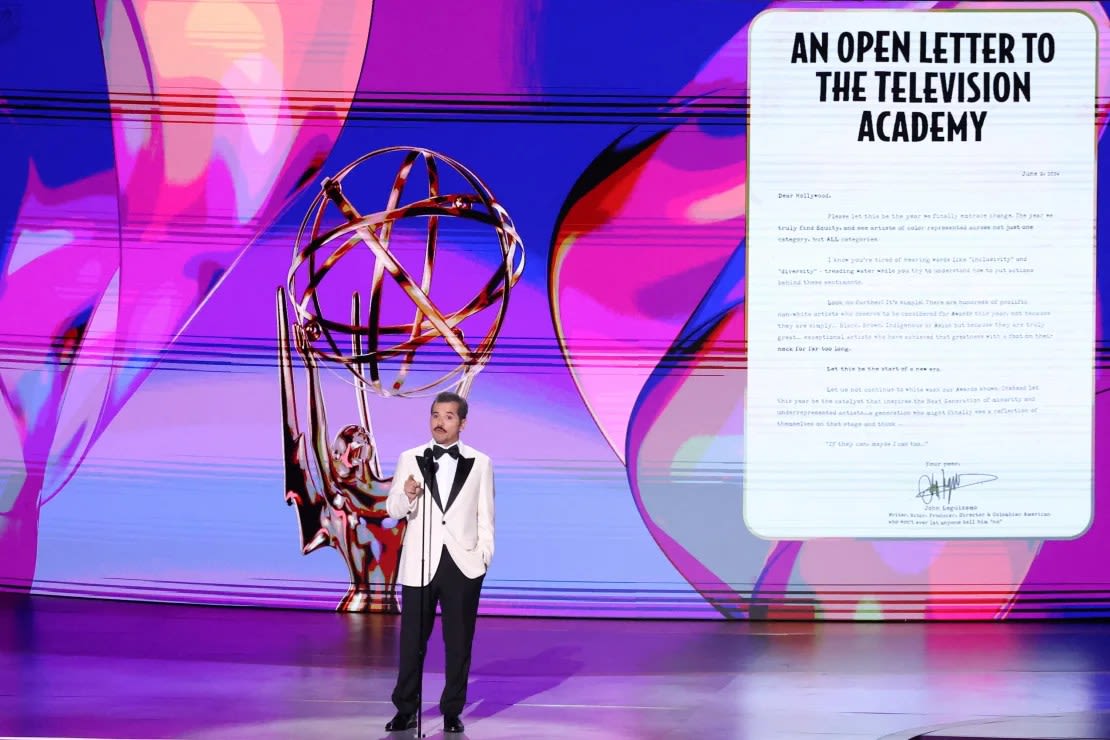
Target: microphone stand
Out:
[425,527]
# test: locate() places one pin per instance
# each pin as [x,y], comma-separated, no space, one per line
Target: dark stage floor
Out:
[76,668]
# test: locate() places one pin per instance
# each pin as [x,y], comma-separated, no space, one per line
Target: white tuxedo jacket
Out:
[461,519]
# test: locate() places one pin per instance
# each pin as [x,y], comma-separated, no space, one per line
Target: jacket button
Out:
[443,522]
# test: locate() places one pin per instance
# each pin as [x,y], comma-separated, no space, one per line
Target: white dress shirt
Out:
[445,478]
[445,475]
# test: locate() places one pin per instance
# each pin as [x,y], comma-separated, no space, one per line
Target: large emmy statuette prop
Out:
[336,483]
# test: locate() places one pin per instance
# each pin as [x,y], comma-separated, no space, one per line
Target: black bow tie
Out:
[439,452]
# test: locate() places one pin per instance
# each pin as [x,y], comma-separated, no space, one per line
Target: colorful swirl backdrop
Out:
[157,159]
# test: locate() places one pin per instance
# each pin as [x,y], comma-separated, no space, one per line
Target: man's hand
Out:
[413,488]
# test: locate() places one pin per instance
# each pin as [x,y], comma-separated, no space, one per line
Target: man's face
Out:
[446,423]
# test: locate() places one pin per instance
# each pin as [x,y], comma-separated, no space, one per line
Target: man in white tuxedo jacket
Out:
[445,492]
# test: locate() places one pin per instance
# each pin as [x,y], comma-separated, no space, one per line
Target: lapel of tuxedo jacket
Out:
[462,470]
[430,479]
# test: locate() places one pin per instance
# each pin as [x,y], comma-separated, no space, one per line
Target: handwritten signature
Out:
[930,488]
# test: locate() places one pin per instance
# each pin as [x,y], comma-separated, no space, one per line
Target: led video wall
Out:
[777,310]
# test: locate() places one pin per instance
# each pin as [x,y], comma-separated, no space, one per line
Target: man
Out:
[458,536]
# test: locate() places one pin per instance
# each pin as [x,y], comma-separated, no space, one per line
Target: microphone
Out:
[430,461]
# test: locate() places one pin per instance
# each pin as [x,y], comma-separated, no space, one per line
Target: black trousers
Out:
[457,596]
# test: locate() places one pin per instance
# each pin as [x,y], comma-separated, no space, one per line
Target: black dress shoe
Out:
[400,722]
[452,724]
